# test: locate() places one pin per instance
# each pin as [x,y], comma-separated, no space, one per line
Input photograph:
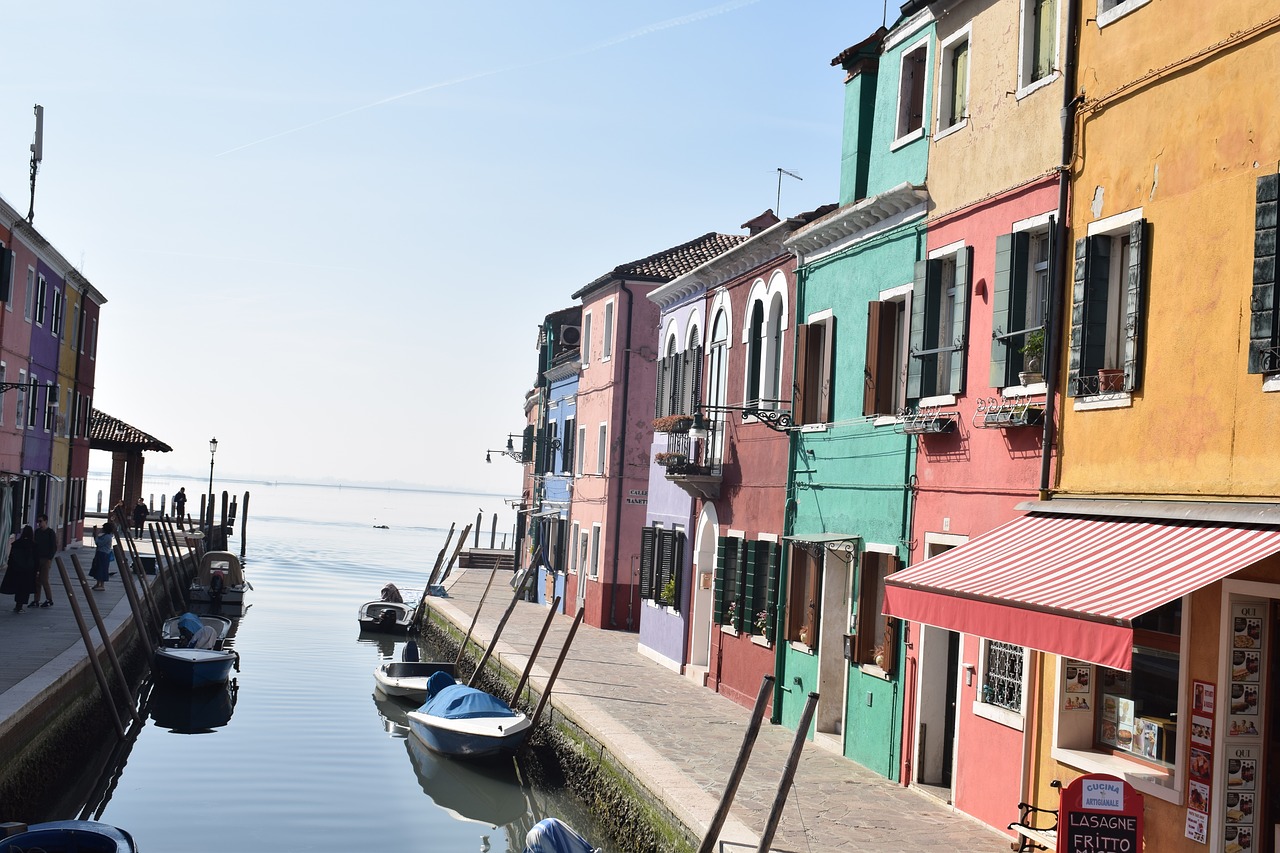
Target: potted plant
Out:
[669,592]
[671,459]
[1110,379]
[761,622]
[1033,358]
[673,423]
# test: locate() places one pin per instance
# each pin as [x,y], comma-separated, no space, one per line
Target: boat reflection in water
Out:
[186,711]
[385,643]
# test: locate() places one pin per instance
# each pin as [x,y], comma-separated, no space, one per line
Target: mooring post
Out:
[502,623]
[537,647]
[479,518]
[453,558]
[165,570]
[564,652]
[102,628]
[244,522]
[444,549]
[493,533]
[788,774]
[103,684]
[739,767]
[461,649]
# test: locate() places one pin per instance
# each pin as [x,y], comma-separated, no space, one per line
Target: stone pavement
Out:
[682,740]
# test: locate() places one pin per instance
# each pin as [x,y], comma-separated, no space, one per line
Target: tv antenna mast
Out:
[777,207]
[37,154]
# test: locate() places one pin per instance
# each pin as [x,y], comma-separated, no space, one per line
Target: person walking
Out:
[20,575]
[180,503]
[100,569]
[46,541]
[140,513]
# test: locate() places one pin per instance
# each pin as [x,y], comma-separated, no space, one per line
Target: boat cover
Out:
[550,835]
[205,638]
[189,623]
[460,702]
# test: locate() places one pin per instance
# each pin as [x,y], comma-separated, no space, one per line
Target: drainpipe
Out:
[1053,325]
[622,465]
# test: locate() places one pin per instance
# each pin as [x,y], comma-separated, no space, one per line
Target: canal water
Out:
[305,756]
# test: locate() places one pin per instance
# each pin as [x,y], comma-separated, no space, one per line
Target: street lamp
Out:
[213,448]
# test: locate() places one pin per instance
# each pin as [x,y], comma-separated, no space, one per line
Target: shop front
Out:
[1151,630]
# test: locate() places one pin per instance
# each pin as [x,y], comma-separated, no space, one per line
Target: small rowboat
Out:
[385,617]
[408,679]
[194,667]
[85,836]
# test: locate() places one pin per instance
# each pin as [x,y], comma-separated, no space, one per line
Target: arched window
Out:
[771,387]
[717,377]
[755,354]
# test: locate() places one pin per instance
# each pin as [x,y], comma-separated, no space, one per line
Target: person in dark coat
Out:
[180,503]
[100,568]
[140,513]
[46,549]
[20,576]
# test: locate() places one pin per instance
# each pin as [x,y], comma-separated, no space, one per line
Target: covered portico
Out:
[126,444]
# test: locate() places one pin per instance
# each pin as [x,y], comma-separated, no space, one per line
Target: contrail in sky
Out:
[670,23]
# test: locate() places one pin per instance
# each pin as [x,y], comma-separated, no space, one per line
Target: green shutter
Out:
[919,299]
[745,571]
[1133,308]
[960,320]
[1088,313]
[647,535]
[1263,357]
[772,590]
[722,563]
[1009,305]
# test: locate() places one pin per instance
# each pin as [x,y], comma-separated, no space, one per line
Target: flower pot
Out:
[1030,378]
[1110,380]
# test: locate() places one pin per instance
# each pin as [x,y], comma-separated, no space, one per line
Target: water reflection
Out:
[385,643]
[185,711]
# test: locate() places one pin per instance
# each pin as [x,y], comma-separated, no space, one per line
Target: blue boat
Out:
[193,667]
[463,722]
[551,835]
[70,836]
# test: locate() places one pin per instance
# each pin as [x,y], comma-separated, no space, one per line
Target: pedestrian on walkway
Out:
[180,503]
[140,513]
[100,569]
[46,548]
[20,575]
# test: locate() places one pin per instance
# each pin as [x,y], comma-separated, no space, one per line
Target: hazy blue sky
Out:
[327,231]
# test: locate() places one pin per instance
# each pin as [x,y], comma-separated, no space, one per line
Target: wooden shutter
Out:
[1002,314]
[826,371]
[647,535]
[695,381]
[921,291]
[1263,337]
[880,377]
[6,274]
[959,336]
[1088,312]
[677,568]
[771,590]
[722,564]
[800,382]
[1133,307]
[747,585]
[567,453]
[661,383]
[666,563]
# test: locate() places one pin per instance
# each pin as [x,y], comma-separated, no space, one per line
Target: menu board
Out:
[1201,763]
[1243,705]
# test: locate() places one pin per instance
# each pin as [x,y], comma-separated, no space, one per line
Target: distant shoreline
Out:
[371,487]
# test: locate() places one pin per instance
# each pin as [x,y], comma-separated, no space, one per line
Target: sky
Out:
[327,232]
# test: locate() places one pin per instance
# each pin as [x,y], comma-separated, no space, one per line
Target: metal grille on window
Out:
[1002,681]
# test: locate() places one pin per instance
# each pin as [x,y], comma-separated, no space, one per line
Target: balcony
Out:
[684,461]
[1002,412]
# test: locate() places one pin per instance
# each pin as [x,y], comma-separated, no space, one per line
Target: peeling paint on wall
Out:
[1096,207]
[1155,182]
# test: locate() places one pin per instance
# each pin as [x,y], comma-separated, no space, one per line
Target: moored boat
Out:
[551,835]
[219,580]
[83,836]
[179,630]
[385,617]
[408,679]
[463,722]
[193,667]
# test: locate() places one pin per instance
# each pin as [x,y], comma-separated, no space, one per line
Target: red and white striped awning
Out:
[1071,585]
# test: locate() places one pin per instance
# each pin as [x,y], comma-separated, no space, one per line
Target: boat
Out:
[219,580]
[178,630]
[464,722]
[408,679]
[192,711]
[385,617]
[194,667]
[552,835]
[84,836]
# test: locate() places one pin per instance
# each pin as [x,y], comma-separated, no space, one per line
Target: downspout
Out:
[1053,325]
[616,494]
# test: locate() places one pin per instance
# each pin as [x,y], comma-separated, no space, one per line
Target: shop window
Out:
[815,371]
[939,325]
[1107,307]
[661,565]
[874,637]
[885,375]
[1264,320]
[1021,291]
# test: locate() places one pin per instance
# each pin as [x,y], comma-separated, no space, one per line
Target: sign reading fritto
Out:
[1100,814]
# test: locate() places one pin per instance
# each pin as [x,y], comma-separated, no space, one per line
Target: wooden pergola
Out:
[127,444]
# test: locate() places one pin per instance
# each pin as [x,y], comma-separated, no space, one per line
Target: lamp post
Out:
[213,448]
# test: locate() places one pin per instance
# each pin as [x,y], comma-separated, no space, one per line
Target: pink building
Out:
[614,431]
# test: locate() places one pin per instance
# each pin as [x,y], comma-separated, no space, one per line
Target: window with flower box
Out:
[746,585]
[662,565]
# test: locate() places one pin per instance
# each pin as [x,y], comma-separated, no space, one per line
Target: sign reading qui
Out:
[1100,814]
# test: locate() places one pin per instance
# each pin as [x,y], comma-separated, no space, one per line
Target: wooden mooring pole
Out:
[739,767]
[474,616]
[788,774]
[102,630]
[564,652]
[537,647]
[521,579]
[89,646]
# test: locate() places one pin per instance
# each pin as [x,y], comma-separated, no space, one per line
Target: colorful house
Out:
[558,341]
[848,520]
[1145,584]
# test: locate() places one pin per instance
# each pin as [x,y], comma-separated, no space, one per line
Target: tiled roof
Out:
[108,433]
[670,263]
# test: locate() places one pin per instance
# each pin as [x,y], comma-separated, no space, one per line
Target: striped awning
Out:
[1071,585]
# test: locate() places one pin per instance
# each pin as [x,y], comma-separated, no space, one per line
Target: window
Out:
[662,565]
[581,466]
[77,339]
[576,549]
[717,379]
[606,348]
[1107,306]
[595,551]
[1039,42]
[33,387]
[953,100]
[911,89]
[885,374]
[4,377]
[804,581]
[586,339]
[602,448]
[50,405]
[771,383]
[7,261]
[679,384]
[42,288]
[55,327]
[874,636]
[1110,10]
[746,585]
[1021,293]
[815,376]
[755,353]
[1264,330]
[93,339]
[30,294]
[939,325]
[19,417]
[1002,669]
[566,452]
[547,464]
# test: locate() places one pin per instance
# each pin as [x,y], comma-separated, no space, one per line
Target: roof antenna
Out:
[884,19]
[37,154]
[777,208]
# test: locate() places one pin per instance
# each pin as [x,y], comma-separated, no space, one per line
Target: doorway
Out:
[704,562]
[833,669]
[936,720]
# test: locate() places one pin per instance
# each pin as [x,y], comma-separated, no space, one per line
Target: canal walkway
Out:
[681,741]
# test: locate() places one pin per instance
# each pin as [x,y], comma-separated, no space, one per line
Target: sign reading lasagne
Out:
[1100,814]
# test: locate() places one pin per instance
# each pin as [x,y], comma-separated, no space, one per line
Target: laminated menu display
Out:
[1244,701]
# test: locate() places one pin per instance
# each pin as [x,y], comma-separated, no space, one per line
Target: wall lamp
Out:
[776,420]
[510,450]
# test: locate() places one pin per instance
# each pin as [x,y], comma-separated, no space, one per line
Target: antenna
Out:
[777,207]
[37,154]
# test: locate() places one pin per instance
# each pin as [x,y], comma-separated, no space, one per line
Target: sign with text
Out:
[1100,814]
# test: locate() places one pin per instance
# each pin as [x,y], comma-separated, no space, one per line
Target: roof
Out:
[108,433]
[670,263]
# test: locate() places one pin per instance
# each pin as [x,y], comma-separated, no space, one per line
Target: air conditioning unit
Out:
[570,336]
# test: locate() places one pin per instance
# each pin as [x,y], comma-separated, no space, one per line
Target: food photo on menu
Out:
[1199,798]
